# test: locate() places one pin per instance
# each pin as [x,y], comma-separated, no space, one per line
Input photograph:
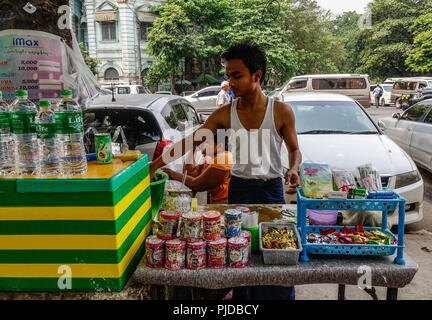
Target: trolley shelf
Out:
[384,205]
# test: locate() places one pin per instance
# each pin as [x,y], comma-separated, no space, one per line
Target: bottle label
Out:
[69,122]
[4,120]
[46,130]
[22,122]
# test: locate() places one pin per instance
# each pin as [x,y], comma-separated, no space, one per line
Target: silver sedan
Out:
[412,131]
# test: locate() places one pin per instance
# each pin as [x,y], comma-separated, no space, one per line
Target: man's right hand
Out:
[152,169]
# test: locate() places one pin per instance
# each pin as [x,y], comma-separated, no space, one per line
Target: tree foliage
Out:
[92,63]
[171,38]
[395,45]
[420,57]
[292,33]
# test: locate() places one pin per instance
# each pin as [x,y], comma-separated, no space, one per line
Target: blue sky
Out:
[339,6]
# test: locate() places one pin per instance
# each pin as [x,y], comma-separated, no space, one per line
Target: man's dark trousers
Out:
[257,191]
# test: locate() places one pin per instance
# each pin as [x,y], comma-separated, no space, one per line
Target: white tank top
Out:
[256,153]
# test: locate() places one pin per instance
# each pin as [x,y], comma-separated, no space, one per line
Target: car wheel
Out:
[398,104]
[382,102]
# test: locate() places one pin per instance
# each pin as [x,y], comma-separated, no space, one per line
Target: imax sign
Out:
[25,43]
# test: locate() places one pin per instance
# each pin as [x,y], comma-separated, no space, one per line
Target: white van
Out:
[126,89]
[355,86]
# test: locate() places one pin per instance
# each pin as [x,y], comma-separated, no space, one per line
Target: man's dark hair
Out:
[251,54]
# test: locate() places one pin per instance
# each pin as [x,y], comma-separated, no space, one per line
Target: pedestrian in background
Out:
[378,92]
[223,97]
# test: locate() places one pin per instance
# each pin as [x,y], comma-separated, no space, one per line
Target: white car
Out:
[337,130]
[204,100]
[150,122]
[412,131]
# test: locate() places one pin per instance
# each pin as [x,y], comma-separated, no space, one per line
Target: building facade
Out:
[115,33]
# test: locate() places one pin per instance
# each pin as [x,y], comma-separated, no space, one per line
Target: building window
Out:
[108,30]
[145,29]
[111,74]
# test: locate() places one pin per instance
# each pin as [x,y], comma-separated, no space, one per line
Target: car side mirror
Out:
[195,96]
[201,119]
[396,115]
[381,125]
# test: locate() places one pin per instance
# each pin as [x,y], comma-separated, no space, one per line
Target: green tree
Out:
[171,38]
[345,28]
[389,40]
[318,49]
[420,57]
[92,63]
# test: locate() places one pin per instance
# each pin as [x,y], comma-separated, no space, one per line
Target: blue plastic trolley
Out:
[384,205]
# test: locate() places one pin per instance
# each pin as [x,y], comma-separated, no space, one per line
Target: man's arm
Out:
[217,120]
[208,179]
[290,138]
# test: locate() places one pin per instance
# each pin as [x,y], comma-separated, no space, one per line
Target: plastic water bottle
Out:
[70,131]
[22,119]
[7,157]
[48,145]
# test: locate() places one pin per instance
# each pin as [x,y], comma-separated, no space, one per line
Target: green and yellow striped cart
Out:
[85,233]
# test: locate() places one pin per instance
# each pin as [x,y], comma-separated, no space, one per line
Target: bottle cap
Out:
[21,93]
[66,93]
[44,103]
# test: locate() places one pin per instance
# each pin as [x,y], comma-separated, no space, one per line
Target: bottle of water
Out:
[7,156]
[70,132]
[22,119]
[48,145]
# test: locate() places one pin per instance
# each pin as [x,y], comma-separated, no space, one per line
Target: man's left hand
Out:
[293,179]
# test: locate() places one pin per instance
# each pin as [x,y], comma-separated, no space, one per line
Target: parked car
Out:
[386,96]
[412,131]
[187,93]
[337,130]
[355,86]
[407,87]
[412,99]
[148,121]
[163,92]
[204,100]
[126,89]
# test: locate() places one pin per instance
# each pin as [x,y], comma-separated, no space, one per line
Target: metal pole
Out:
[139,49]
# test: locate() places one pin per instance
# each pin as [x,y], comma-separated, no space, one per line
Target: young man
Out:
[265,123]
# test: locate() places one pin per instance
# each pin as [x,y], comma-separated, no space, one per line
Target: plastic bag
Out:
[316,180]
[43,64]
[369,177]
[119,148]
[343,179]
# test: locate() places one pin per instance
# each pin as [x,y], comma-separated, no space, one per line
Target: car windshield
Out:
[331,117]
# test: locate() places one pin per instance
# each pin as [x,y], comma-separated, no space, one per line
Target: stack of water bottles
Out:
[48,141]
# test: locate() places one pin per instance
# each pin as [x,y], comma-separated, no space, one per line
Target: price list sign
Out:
[33,61]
